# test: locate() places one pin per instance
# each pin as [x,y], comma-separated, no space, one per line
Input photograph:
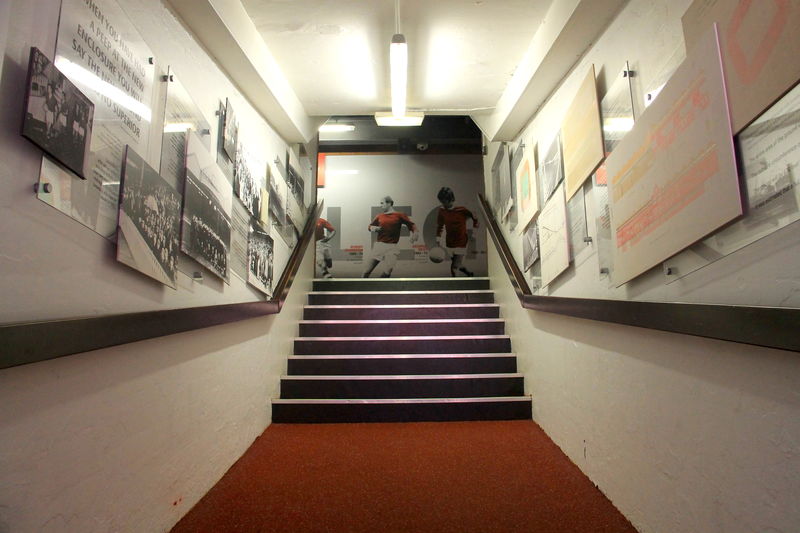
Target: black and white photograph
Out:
[248,180]
[149,221]
[551,169]
[277,196]
[207,206]
[260,259]
[231,132]
[58,116]
[295,183]
[530,245]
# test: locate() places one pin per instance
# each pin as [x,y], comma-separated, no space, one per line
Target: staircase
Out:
[401,350]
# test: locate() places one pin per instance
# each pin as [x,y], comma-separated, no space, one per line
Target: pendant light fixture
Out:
[398,69]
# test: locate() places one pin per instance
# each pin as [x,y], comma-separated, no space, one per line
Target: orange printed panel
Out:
[582,135]
[672,179]
[759,41]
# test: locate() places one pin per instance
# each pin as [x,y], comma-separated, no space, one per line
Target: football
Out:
[436,254]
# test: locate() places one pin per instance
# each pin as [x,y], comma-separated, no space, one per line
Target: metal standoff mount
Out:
[670,271]
[205,131]
[587,240]
[197,276]
[45,187]
[604,270]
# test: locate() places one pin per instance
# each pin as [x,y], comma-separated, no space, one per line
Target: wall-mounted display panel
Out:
[149,224]
[769,151]
[249,179]
[501,183]
[530,246]
[551,169]
[673,179]
[260,260]
[58,116]
[230,131]
[181,116]
[576,221]
[527,188]
[759,42]
[554,237]
[101,52]
[616,113]
[207,204]
[582,136]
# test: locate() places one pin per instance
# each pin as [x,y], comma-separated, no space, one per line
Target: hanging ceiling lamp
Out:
[398,68]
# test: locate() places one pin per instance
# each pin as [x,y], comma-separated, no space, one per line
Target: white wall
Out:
[683,434]
[126,438]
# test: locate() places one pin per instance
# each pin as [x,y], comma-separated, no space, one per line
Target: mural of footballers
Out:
[453,219]
[387,226]
[323,233]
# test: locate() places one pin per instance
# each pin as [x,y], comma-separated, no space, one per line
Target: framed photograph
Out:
[260,253]
[551,169]
[149,223]
[248,180]
[207,206]
[58,116]
[230,135]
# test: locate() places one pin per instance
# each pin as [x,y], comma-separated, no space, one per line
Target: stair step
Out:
[400,311]
[420,327]
[402,364]
[399,284]
[400,297]
[402,386]
[402,345]
[401,410]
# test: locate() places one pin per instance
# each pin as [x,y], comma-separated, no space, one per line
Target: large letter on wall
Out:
[672,180]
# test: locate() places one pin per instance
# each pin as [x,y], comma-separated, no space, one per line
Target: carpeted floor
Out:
[418,477]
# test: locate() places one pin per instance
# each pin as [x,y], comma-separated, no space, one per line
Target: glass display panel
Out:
[99,50]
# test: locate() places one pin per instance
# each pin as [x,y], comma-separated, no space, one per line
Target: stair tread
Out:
[403,356]
[402,321]
[402,337]
[365,377]
[379,280]
[478,399]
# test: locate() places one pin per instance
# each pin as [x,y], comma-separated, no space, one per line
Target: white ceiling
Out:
[334,53]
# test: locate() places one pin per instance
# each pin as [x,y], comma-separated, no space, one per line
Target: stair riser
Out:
[401,388]
[451,284]
[401,313]
[446,412]
[390,329]
[400,298]
[400,346]
[404,366]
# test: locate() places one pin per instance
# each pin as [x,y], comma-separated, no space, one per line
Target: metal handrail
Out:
[31,342]
[773,327]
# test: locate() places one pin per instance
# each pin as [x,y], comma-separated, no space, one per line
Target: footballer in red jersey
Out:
[388,225]
[453,220]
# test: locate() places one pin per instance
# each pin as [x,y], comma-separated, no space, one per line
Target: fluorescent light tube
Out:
[398,63]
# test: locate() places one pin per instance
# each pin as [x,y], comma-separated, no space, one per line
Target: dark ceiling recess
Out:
[437,135]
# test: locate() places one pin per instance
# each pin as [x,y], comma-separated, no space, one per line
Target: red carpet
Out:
[416,477]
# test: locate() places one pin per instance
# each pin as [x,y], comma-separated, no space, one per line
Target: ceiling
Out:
[334,53]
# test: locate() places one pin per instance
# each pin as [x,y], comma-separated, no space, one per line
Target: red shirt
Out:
[390,224]
[455,220]
[322,225]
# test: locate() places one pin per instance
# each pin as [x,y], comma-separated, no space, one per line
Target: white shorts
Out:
[323,250]
[456,251]
[386,253]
